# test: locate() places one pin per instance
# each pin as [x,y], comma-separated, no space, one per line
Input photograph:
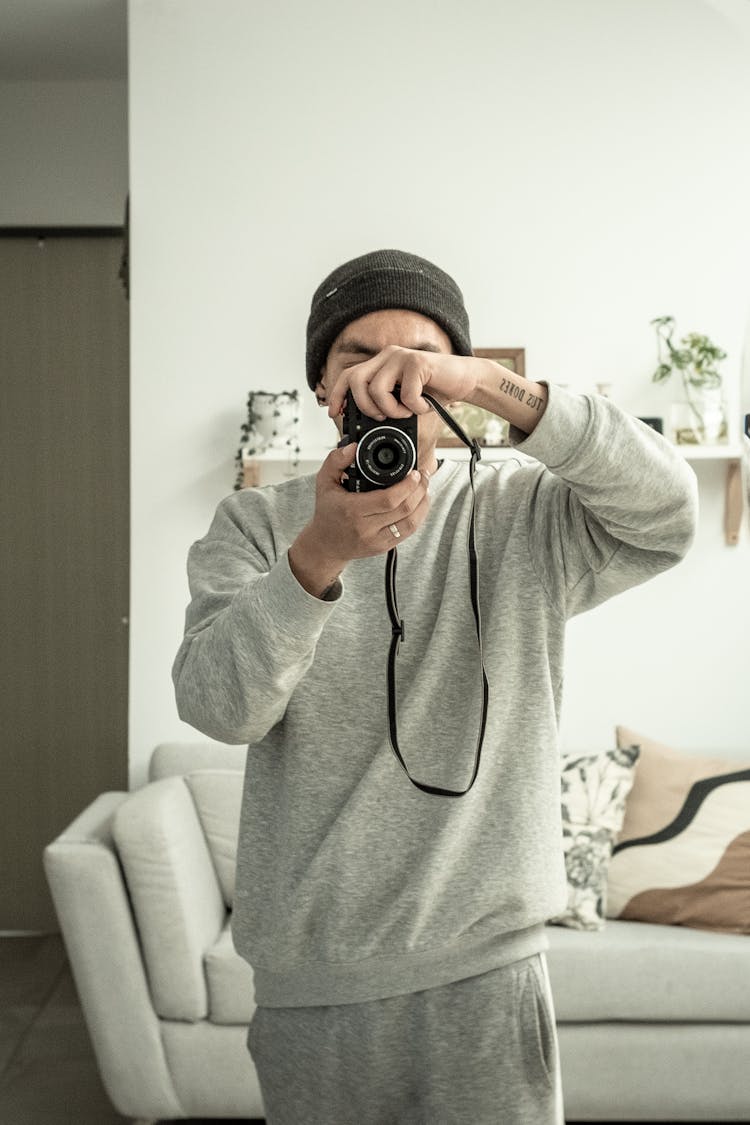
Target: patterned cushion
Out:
[594,789]
[683,855]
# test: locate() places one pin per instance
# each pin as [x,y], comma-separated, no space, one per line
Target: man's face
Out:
[367,336]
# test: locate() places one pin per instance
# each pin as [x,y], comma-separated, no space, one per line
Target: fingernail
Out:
[415,475]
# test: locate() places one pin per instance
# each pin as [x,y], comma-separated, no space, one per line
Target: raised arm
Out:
[618,506]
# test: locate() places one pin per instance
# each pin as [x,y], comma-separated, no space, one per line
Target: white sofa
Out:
[654,1021]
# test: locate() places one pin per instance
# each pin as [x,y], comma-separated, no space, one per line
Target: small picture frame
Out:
[486,428]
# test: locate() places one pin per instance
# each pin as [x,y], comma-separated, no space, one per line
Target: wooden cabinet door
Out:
[64,553]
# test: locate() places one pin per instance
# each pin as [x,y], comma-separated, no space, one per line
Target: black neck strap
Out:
[397,624]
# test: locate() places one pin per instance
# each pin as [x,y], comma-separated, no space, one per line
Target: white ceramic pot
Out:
[275,419]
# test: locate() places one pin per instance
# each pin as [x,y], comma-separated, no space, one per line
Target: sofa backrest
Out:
[169,759]
[176,839]
[218,795]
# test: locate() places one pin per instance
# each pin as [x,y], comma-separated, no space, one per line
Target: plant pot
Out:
[274,419]
[709,406]
[684,424]
[701,420]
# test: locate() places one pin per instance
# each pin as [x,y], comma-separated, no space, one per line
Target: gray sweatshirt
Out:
[353,885]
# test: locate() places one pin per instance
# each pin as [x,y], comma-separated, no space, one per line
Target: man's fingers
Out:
[385,501]
[412,384]
[407,519]
[360,386]
[336,395]
[380,391]
[416,518]
[355,381]
[372,383]
[338,461]
[409,370]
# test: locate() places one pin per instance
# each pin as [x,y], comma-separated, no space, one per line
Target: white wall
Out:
[63,153]
[579,167]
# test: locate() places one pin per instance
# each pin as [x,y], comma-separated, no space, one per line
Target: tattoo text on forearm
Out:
[535,402]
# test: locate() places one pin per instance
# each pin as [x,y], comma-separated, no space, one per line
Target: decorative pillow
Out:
[594,789]
[683,855]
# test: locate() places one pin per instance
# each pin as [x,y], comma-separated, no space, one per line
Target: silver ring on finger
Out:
[394,530]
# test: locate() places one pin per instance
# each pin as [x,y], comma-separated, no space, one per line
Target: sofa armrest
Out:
[100,938]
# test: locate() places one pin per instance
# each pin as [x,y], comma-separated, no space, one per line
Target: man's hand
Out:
[449,378]
[348,525]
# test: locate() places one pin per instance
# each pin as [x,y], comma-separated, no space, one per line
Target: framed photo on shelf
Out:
[488,429]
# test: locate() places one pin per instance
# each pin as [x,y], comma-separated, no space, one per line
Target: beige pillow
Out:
[683,854]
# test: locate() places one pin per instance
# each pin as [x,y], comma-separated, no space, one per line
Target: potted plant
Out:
[272,424]
[696,358]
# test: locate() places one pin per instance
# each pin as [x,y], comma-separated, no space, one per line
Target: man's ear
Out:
[320,394]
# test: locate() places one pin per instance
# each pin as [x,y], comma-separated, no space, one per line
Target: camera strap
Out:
[397,624]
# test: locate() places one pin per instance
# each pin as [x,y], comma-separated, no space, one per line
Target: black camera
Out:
[386,451]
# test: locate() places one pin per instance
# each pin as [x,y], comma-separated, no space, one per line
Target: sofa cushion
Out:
[594,788]
[218,797]
[629,971]
[231,987]
[683,855]
[174,890]
[639,972]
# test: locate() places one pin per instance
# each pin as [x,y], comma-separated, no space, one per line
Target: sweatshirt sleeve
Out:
[251,629]
[618,505]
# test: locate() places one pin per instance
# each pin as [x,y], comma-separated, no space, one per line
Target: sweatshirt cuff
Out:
[289,609]
[560,431]
[293,589]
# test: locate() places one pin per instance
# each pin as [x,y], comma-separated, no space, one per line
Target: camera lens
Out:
[385,455]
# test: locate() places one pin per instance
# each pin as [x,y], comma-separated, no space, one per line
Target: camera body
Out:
[386,451]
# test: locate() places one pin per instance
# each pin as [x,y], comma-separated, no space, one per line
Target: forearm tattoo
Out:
[535,402]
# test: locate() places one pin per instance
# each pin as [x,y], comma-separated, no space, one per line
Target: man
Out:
[397,936]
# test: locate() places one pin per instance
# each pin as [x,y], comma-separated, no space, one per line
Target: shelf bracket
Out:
[250,473]
[733,502]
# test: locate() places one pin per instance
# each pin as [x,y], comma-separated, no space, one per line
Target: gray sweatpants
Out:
[481,1051]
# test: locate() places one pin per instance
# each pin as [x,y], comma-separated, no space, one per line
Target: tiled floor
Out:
[47,1071]
[48,1074]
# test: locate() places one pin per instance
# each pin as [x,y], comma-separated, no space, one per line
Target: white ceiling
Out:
[59,40]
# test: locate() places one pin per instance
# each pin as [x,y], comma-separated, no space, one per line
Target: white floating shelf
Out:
[731,453]
[723,452]
[279,456]
[489,453]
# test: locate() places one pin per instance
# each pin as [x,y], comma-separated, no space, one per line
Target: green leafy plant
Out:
[695,359]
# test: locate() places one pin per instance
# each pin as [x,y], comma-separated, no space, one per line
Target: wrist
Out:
[315,569]
[509,395]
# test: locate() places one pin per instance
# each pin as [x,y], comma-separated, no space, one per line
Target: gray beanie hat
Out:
[384,279]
